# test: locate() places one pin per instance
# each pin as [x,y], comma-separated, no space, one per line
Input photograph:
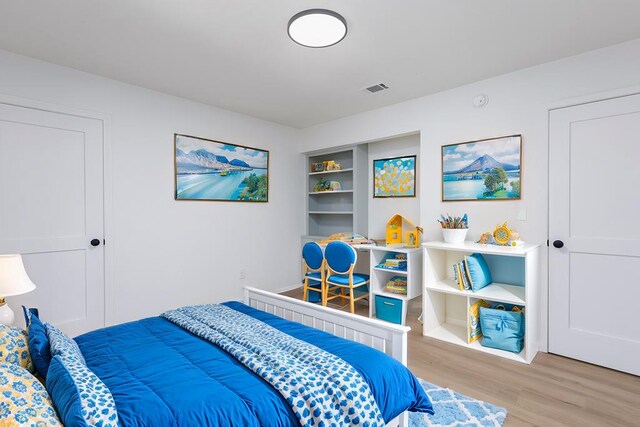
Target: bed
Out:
[160,374]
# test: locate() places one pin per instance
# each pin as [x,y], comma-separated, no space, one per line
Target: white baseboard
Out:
[287,288]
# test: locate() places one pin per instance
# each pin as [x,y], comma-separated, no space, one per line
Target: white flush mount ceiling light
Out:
[317,28]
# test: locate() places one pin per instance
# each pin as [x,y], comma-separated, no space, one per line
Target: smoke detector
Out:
[377,88]
[480,101]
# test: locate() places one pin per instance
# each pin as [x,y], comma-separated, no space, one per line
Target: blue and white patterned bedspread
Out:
[322,389]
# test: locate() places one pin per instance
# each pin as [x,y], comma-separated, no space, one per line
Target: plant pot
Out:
[454,235]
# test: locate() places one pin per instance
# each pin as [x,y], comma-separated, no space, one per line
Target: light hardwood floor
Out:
[552,391]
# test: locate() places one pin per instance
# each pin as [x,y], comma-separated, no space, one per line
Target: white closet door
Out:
[594,211]
[51,207]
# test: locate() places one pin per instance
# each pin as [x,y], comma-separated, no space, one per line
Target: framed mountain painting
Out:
[214,170]
[488,169]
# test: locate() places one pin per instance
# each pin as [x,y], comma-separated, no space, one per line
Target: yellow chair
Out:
[314,270]
[340,261]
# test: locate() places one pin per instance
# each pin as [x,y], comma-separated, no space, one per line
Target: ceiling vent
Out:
[377,88]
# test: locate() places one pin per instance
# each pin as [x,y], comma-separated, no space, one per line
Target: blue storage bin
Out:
[502,329]
[389,309]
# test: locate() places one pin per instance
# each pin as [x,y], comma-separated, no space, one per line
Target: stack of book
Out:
[461,276]
[397,285]
[394,264]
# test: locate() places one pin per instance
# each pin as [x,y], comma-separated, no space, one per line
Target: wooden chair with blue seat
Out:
[340,259]
[314,271]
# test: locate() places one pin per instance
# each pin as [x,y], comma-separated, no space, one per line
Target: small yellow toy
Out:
[333,166]
[502,235]
[402,232]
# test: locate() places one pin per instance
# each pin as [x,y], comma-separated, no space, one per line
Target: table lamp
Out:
[13,281]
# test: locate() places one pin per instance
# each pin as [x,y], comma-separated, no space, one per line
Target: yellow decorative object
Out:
[402,232]
[411,237]
[502,234]
[333,166]
[473,328]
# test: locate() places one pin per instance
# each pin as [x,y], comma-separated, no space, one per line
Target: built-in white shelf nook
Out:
[338,210]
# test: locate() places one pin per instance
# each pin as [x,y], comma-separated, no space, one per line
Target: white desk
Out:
[380,277]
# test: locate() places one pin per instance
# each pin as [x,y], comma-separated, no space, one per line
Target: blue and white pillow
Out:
[24,400]
[477,271]
[81,398]
[14,347]
[39,344]
[63,346]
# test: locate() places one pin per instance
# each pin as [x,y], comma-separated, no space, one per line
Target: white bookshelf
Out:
[515,272]
[380,276]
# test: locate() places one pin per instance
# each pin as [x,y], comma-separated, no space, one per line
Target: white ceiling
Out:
[236,54]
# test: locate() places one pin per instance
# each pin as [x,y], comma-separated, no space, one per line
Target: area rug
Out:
[453,409]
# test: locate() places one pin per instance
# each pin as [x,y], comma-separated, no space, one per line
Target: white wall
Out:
[518,104]
[381,209]
[169,253]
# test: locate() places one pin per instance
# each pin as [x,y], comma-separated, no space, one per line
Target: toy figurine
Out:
[502,236]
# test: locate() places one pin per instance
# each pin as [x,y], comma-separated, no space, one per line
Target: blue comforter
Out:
[162,375]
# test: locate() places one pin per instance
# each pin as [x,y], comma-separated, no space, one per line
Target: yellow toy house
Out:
[402,232]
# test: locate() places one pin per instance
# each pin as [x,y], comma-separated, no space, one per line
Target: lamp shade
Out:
[13,277]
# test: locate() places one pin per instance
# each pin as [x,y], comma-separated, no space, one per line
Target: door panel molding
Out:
[600,281]
[108,232]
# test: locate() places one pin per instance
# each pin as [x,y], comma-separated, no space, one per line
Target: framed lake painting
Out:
[395,177]
[214,170]
[488,169]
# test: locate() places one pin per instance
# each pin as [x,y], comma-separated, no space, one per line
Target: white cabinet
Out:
[380,277]
[515,272]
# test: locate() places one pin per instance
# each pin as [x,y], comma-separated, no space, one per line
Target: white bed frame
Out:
[386,337]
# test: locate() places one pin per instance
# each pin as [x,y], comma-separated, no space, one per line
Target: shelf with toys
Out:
[455,290]
[325,172]
[396,271]
[335,191]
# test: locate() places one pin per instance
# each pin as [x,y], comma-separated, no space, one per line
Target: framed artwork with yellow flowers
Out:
[395,177]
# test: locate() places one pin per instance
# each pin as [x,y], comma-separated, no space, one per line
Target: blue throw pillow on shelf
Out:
[477,271]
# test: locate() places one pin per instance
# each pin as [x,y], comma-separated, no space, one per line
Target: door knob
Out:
[96,242]
[558,244]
